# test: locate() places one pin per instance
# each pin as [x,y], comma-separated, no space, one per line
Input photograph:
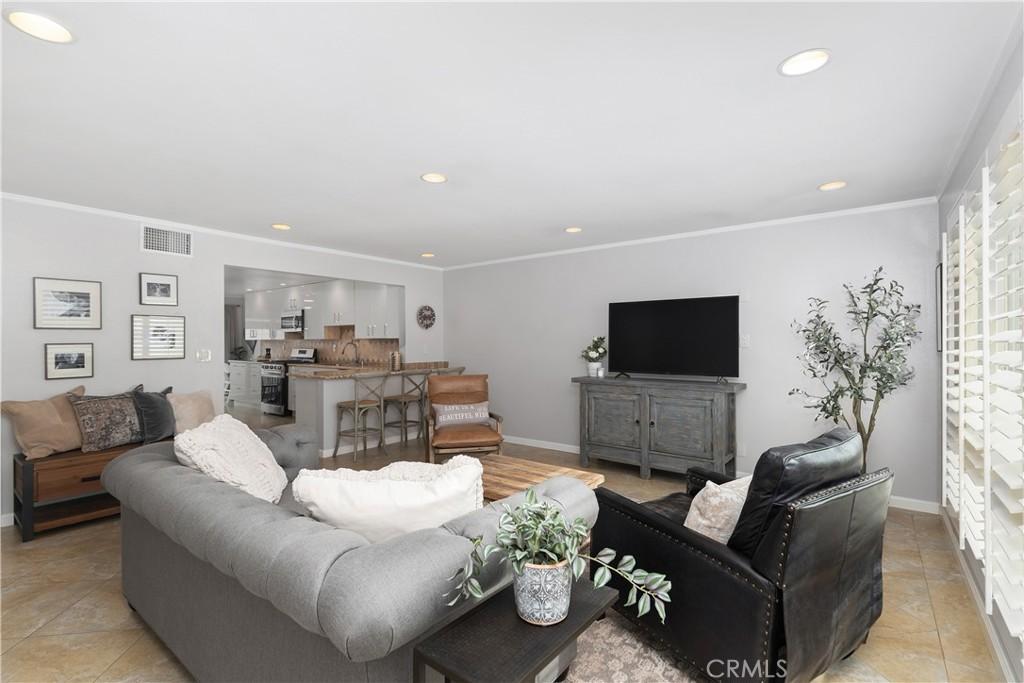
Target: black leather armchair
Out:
[800,581]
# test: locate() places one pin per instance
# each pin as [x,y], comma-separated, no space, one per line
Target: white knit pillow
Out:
[394,500]
[227,450]
[716,509]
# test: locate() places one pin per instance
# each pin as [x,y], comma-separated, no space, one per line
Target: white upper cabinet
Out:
[371,307]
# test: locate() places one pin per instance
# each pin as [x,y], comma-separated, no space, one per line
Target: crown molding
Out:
[873,208]
[159,222]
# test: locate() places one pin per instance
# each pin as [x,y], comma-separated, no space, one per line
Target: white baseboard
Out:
[7,519]
[536,443]
[913,504]
[347,447]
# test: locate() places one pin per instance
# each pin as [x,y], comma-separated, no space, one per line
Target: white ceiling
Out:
[629,120]
[238,280]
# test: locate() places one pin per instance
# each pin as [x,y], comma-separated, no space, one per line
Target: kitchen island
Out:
[319,389]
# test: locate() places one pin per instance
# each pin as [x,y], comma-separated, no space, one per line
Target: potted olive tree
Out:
[857,374]
[545,552]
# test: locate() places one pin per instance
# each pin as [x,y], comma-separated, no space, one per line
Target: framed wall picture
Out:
[67,361]
[158,337]
[67,304]
[158,290]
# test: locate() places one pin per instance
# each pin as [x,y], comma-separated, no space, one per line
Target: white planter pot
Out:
[543,591]
[592,369]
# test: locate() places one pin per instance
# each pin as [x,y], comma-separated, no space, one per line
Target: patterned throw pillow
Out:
[716,509]
[446,415]
[107,421]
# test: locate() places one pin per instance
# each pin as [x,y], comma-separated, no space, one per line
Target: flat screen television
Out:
[697,337]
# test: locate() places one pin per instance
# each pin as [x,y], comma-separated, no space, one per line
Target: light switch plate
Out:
[204,355]
[744,341]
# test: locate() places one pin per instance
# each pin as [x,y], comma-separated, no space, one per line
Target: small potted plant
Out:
[594,353]
[544,550]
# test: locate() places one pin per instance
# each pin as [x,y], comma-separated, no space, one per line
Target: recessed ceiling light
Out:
[249,290]
[832,185]
[574,229]
[427,254]
[307,301]
[281,226]
[805,62]
[38,26]
[307,308]
[284,284]
[434,178]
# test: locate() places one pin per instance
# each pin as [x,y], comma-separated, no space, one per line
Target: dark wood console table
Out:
[662,424]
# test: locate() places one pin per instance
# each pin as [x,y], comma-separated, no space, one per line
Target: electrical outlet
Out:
[744,341]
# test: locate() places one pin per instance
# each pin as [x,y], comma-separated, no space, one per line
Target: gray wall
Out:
[48,241]
[524,323]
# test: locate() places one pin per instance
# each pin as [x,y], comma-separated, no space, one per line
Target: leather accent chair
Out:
[799,583]
[468,438]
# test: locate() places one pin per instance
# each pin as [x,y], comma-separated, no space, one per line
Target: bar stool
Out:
[368,397]
[414,392]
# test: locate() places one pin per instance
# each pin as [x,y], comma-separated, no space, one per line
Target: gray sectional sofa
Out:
[244,590]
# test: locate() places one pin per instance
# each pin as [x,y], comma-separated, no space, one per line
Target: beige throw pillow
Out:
[716,509]
[191,410]
[446,415]
[43,428]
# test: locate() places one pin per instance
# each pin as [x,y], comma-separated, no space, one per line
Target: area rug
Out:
[614,650]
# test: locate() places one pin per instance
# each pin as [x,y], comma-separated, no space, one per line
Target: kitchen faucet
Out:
[354,346]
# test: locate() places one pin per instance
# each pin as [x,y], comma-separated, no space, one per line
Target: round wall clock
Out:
[426,317]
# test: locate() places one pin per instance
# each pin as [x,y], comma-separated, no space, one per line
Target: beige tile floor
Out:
[62,616]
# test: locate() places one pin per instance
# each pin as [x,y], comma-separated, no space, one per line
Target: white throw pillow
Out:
[394,500]
[716,509]
[227,450]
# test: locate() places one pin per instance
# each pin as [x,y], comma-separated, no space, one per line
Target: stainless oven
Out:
[273,388]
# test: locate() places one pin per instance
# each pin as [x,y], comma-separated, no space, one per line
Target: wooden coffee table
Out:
[504,476]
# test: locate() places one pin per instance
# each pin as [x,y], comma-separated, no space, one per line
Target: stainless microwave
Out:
[292,323]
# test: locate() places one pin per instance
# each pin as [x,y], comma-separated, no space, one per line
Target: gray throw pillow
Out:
[156,416]
[107,421]
[447,415]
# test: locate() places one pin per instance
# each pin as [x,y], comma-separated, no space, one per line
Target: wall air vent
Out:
[166,241]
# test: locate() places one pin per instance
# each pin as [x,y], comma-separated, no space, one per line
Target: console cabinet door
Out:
[613,417]
[680,425]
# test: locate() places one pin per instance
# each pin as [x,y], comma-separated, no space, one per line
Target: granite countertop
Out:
[324,371]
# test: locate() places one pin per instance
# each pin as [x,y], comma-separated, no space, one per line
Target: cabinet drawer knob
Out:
[94,477]
[652,423]
[637,420]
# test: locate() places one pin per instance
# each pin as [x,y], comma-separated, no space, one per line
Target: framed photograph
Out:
[158,290]
[67,361]
[158,337]
[67,304]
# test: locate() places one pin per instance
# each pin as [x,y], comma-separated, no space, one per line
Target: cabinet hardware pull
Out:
[94,477]
[637,420]
[652,423]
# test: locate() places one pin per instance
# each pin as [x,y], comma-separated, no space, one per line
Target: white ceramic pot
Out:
[543,592]
[592,369]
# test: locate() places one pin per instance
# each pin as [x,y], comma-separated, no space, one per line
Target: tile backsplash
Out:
[371,351]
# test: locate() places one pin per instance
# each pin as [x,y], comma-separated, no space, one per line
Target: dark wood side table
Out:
[491,643]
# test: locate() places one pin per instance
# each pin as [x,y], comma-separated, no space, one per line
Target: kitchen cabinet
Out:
[245,380]
[328,303]
[380,310]
[658,423]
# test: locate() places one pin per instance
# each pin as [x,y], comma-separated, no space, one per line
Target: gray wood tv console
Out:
[661,424]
